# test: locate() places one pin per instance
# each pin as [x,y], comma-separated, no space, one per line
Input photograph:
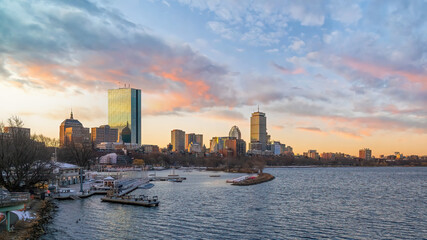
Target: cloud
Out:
[345,12]
[288,71]
[297,44]
[166,3]
[91,47]
[272,50]
[227,115]
[310,129]
[278,127]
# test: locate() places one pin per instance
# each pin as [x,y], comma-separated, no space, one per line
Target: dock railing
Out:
[14,198]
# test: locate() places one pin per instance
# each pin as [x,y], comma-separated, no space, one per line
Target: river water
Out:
[339,203]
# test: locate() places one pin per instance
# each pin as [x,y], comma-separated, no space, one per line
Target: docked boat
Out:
[140,200]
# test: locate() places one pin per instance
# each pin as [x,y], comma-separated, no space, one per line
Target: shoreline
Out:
[32,228]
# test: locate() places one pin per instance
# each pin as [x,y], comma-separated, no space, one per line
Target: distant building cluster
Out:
[190,142]
[123,131]
[231,146]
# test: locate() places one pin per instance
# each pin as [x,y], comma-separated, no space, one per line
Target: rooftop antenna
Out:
[258,107]
[71,115]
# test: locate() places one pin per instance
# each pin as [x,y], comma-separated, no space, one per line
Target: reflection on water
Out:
[361,203]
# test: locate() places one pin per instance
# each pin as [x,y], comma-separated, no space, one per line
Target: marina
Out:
[205,208]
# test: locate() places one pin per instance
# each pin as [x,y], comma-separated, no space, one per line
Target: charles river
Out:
[338,203]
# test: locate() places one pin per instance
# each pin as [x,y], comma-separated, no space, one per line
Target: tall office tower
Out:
[178,140]
[365,153]
[258,131]
[124,107]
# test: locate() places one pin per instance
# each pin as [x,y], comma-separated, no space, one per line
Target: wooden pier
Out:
[141,201]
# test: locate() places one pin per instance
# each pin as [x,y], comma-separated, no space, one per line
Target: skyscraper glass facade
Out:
[124,106]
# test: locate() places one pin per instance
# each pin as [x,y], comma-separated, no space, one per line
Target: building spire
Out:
[258,107]
[71,115]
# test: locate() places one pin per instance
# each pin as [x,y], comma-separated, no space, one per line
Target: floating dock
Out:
[140,201]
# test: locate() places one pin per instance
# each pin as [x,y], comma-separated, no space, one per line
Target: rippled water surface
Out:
[340,203]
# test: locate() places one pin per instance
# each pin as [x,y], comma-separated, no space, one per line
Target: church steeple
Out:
[71,115]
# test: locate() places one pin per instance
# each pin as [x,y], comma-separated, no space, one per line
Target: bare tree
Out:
[76,153]
[24,161]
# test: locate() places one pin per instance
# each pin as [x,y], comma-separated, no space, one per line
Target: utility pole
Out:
[81,180]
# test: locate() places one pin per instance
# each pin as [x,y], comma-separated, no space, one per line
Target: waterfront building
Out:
[235,132]
[66,174]
[365,153]
[124,109]
[104,134]
[178,140]
[258,131]
[71,130]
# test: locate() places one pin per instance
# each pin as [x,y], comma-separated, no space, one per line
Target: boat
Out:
[214,175]
[141,200]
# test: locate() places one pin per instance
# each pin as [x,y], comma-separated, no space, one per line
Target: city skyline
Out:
[331,77]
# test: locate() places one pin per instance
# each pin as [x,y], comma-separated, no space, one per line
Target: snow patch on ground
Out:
[24,215]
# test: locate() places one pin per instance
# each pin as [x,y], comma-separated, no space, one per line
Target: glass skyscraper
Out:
[124,106]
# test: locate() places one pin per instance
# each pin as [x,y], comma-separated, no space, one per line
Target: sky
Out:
[335,76]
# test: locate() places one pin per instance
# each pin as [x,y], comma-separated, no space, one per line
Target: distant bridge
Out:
[12,201]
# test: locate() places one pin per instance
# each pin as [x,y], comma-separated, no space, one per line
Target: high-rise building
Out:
[258,131]
[124,108]
[235,132]
[193,138]
[104,134]
[178,140]
[199,139]
[189,138]
[365,153]
[71,130]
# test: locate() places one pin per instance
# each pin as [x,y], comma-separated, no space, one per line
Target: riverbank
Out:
[261,178]
[31,228]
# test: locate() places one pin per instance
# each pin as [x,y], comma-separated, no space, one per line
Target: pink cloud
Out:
[380,71]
